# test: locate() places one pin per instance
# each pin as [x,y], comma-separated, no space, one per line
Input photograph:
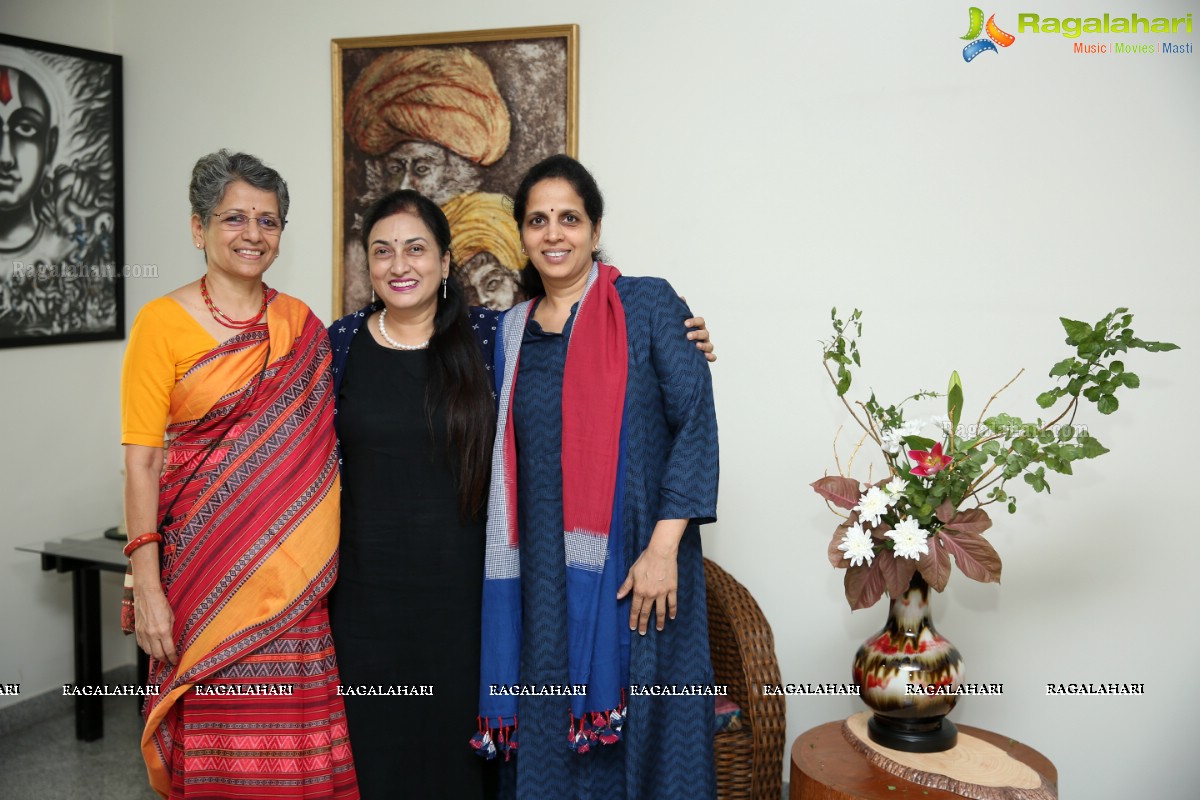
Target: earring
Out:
[443,288]
[199,245]
[373,298]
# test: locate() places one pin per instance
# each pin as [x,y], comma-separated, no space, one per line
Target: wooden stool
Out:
[836,761]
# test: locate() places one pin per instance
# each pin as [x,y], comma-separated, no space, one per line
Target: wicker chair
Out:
[750,760]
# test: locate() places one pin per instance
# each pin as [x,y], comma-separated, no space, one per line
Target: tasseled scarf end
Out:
[591,730]
[500,738]
[595,729]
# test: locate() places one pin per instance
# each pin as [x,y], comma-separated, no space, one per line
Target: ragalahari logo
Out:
[995,36]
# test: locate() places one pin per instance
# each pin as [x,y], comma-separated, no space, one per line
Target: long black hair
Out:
[457,371]
[568,169]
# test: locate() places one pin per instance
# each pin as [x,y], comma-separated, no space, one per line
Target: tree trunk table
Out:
[836,761]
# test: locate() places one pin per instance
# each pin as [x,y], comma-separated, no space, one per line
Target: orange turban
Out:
[482,221]
[445,96]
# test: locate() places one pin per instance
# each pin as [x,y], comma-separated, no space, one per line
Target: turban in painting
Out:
[446,96]
[482,222]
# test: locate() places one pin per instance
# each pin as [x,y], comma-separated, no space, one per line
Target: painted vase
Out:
[907,674]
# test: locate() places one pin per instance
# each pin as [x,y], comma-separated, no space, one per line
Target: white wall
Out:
[772,161]
[60,468]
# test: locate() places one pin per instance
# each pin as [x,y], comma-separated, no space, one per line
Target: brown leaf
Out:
[864,585]
[842,492]
[837,557]
[973,520]
[945,512]
[905,569]
[935,565]
[974,555]
[897,572]
[887,566]
[880,531]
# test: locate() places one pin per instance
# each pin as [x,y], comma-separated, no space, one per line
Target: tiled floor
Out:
[44,760]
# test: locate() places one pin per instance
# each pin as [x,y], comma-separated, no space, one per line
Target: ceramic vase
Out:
[907,674]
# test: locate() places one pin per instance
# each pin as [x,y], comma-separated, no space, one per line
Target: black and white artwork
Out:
[61,213]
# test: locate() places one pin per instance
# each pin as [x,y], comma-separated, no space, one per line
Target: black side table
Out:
[84,558]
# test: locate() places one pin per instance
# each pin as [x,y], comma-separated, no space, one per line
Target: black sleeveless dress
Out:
[405,610]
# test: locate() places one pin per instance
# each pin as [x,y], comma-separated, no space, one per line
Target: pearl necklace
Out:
[398,345]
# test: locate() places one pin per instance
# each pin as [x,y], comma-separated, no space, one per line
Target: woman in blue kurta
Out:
[605,464]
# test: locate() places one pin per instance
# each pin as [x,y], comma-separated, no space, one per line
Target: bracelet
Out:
[145,538]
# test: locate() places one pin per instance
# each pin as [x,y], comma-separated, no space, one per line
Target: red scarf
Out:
[593,398]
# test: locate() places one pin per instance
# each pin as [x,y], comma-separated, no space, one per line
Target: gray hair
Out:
[214,172]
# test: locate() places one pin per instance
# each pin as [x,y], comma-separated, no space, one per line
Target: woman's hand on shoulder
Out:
[699,335]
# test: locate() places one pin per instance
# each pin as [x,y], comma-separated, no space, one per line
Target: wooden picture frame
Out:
[460,117]
[62,215]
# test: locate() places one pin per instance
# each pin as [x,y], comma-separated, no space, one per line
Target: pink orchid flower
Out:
[929,462]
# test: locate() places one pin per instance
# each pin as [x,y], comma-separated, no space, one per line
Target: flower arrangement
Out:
[931,504]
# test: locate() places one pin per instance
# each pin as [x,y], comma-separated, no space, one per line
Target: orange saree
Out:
[249,494]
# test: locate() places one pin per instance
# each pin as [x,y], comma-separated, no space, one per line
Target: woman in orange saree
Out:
[234,526]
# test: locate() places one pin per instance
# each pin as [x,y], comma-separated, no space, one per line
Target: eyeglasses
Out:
[237,221]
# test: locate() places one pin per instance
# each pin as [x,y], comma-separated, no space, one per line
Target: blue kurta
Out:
[671,473]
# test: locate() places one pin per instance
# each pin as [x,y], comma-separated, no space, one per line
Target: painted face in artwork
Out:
[430,169]
[494,285]
[27,137]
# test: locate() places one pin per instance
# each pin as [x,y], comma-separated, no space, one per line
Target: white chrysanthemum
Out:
[872,505]
[909,538]
[857,546]
[891,439]
[895,490]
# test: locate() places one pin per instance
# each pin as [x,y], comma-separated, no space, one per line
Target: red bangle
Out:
[145,538]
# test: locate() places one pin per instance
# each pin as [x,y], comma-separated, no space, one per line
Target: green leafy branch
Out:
[1004,446]
[1092,374]
[842,350]
[1087,373]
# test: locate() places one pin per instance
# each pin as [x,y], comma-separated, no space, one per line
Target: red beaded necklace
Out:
[223,318]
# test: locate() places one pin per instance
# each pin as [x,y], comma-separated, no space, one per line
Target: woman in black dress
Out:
[415,421]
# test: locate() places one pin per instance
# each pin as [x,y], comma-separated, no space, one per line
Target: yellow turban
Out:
[443,96]
[482,221]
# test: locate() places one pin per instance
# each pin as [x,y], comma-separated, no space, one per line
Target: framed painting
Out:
[459,117]
[61,203]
